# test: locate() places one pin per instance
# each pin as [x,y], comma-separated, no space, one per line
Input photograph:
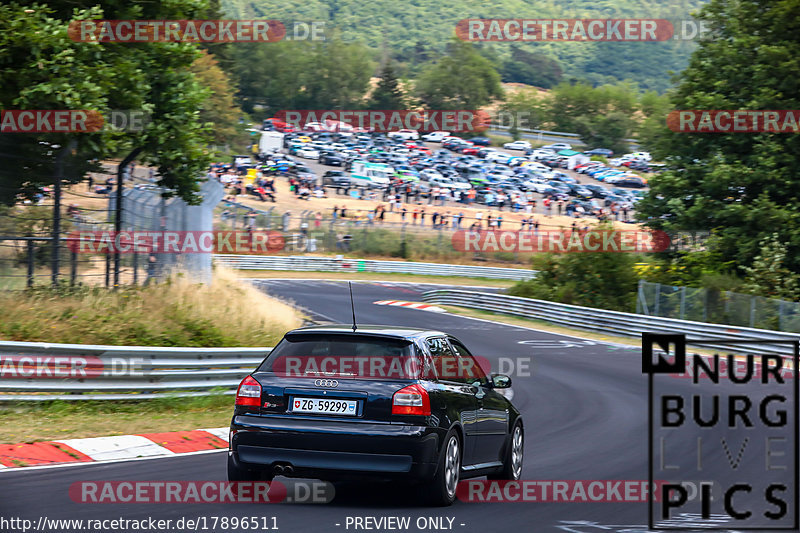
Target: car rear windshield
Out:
[343,356]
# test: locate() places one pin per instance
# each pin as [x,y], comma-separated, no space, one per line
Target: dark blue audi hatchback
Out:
[331,402]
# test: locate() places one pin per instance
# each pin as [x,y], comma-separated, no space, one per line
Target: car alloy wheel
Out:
[516,453]
[452,466]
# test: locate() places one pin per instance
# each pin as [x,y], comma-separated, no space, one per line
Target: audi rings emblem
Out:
[326,383]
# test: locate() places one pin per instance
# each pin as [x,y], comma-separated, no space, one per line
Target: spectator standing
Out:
[501,200]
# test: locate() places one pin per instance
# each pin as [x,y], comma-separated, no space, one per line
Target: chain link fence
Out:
[146,209]
[30,255]
[719,307]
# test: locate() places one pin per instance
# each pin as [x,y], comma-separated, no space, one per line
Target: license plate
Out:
[325,406]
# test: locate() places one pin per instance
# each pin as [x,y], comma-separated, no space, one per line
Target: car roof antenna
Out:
[352,304]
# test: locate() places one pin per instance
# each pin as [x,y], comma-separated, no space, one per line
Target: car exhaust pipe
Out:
[288,470]
[278,469]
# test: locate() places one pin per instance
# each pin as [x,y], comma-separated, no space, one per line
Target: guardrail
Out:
[34,371]
[553,133]
[330,264]
[614,322]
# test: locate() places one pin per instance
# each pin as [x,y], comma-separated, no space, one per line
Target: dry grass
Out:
[178,312]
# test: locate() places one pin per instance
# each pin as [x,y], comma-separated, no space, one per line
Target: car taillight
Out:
[249,392]
[411,400]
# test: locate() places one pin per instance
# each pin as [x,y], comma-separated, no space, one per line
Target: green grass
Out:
[51,420]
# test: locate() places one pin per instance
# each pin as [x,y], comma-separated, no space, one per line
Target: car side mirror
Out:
[501,381]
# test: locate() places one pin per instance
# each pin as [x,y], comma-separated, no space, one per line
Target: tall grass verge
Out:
[176,312]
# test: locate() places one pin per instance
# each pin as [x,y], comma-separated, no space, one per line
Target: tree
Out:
[522,109]
[219,109]
[531,68]
[607,131]
[462,79]
[571,102]
[302,75]
[42,68]
[769,276]
[604,279]
[387,94]
[654,108]
[339,78]
[743,186]
[271,75]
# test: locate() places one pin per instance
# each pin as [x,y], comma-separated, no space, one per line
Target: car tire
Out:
[441,492]
[237,473]
[512,462]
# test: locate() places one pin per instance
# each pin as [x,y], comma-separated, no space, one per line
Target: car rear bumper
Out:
[335,449]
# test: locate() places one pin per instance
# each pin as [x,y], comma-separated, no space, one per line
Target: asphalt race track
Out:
[584,406]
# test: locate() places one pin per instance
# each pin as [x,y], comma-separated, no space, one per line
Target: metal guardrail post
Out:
[31,259]
[683,303]
[657,304]
[73,267]
[108,269]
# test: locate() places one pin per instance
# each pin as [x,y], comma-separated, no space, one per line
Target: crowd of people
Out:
[410,203]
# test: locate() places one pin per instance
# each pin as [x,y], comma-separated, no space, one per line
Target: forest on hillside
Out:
[416,31]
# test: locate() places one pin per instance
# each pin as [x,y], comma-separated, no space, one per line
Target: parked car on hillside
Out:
[557,147]
[517,145]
